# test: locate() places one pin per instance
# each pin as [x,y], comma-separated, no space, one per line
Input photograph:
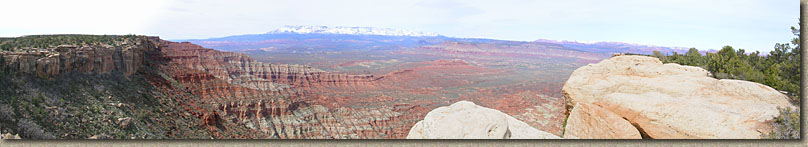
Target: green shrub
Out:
[49,41]
[786,126]
[7,113]
[29,129]
[780,69]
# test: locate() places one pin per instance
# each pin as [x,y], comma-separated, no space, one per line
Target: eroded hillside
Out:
[144,87]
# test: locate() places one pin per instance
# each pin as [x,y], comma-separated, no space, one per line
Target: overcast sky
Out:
[704,24]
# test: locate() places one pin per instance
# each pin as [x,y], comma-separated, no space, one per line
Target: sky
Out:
[704,24]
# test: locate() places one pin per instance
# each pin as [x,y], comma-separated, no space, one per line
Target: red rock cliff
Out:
[281,101]
[126,58]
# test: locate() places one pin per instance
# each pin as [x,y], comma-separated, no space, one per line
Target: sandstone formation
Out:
[126,58]
[670,101]
[587,121]
[281,101]
[229,95]
[227,90]
[466,120]
[239,69]
[293,101]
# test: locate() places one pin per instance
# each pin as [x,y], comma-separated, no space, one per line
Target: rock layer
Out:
[126,58]
[229,95]
[588,121]
[239,69]
[281,101]
[466,120]
[671,101]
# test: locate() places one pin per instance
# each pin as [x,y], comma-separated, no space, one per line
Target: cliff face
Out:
[671,101]
[588,121]
[125,58]
[93,90]
[229,95]
[280,101]
[223,94]
[405,91]
[239,69]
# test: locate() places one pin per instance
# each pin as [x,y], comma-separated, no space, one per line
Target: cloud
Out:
[79,16]
[450,8]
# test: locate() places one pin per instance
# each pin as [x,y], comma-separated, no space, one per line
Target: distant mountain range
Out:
[616,47]
[348,31]
[368,38]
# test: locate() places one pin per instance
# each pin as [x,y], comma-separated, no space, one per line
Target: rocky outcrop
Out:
[294,101]
[587,121]
[239,69]
[229,92]
[125,58]
[229,95]
[278,100]
[466,120]
[671,101]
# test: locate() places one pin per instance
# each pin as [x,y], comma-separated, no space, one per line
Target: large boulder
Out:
[673,101]
[588,121]
[465,120]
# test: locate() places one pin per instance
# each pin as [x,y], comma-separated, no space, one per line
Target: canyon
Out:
[296,101]
[618,98]
[312,86]
[230,95]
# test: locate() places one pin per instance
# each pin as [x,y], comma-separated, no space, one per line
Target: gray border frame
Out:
[382,142]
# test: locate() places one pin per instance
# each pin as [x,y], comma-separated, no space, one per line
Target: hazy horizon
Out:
[746,24]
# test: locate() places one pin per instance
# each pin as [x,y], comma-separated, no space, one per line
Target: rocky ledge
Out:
[466,120]
[126,57]
[666,101]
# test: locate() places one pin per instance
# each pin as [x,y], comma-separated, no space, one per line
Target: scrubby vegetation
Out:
[779,69]
[80,106]
[787,126]
[49,41]
[77,105]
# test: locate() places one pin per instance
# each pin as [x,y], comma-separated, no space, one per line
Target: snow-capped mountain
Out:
[348,31]
[369,38]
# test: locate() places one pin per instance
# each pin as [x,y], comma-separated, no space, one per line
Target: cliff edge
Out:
[670,101]
[125,56]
